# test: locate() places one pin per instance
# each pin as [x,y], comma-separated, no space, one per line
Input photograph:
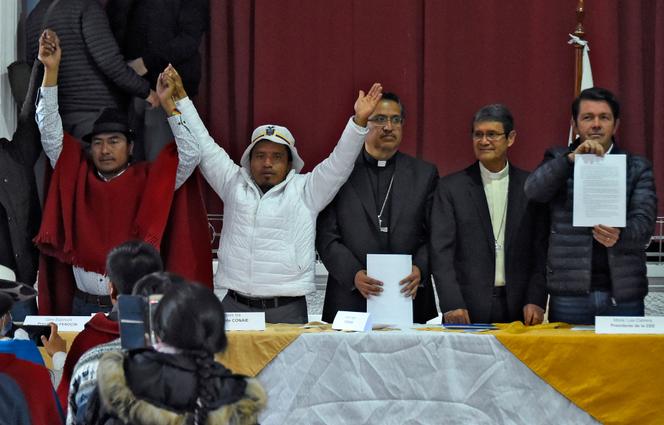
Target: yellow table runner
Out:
[248,352]
[618,379]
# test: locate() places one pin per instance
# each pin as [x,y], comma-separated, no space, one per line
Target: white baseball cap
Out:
[276,134]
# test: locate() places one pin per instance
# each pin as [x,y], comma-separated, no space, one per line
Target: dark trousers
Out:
[582,309]
[293,312]
[499,313]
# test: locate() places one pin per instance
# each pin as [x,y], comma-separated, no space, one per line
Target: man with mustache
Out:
[598,271]
[487,241]
[382,209]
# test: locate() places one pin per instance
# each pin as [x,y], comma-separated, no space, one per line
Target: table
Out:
[421,377]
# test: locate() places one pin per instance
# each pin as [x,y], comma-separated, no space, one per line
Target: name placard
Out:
[245,321]
[65,323]
[629,325]
[352,321]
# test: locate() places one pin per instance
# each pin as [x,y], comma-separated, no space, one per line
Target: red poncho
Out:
[85,217]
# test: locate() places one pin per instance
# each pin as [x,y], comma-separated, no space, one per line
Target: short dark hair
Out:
[191,317]
[597,94]
[156,283]
[394,98]
[496,112]
[130,261]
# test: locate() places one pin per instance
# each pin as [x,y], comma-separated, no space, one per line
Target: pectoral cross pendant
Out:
[382,228]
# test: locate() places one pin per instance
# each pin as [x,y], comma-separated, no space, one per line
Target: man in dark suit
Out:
[488,243]
[383,208]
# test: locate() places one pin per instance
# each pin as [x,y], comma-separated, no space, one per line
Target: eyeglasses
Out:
[383,119]
[491,136]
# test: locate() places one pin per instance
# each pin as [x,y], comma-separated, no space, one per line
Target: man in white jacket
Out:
[266,253]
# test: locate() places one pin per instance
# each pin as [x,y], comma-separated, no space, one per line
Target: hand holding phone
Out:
[36,332]
[54,342]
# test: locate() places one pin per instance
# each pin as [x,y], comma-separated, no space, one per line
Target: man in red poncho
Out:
[98,199]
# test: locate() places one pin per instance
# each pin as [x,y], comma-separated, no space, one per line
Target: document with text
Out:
[600,190]
[391,307]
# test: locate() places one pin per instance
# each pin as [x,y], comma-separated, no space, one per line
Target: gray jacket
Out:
[93,74]
[570,248]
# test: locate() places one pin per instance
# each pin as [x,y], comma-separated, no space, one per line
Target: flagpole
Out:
[578,48]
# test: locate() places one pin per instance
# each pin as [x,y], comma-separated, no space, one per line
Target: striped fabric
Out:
[93,74]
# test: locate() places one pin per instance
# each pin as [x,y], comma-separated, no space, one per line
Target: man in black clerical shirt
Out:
[382,209]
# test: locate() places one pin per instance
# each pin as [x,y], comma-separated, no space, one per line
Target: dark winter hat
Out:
[110,120]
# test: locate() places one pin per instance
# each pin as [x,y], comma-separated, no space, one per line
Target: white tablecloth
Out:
[408,377]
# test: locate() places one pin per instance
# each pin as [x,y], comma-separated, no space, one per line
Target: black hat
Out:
[11,292]
[110,120]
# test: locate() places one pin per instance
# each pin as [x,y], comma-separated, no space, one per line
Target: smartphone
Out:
[133,330]
[35,332]
[153,302]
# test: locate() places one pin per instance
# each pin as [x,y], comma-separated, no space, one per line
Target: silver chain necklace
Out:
[382,228]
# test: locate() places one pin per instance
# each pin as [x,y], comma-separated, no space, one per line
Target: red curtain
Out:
[300,63]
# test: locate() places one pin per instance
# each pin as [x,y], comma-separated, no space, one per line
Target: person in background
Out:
[152,34]
[13,405]
[177,379]
[126,264]
[17,341]
[93,73]
[84,377]
[20,211]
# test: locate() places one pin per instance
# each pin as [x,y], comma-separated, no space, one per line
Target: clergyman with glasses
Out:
[383,208]
[488,242]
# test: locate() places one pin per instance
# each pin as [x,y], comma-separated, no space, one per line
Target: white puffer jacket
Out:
[267,242]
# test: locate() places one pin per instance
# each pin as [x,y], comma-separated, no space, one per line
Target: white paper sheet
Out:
[600,190]
[65,323]
[391,306]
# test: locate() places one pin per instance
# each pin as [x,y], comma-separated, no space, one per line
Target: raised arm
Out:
[47,115]
[327,177]
[170,90]
[195,145]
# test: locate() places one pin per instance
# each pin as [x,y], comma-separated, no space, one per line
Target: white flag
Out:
[586,72]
